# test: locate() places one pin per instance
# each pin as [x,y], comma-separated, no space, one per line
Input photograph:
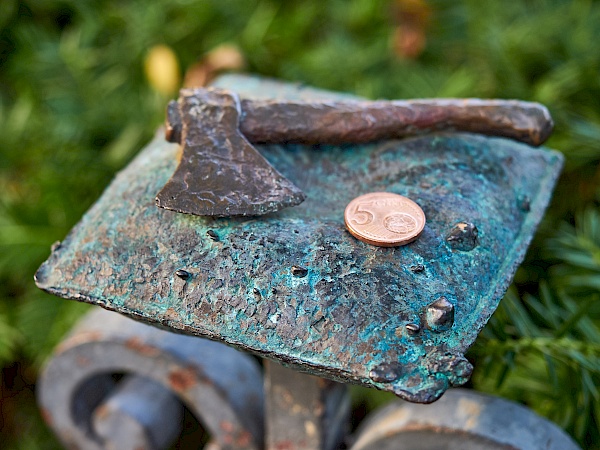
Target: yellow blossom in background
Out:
[162,70]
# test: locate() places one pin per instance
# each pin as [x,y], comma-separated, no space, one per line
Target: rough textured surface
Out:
[295,286]
[271,121]
[220,173]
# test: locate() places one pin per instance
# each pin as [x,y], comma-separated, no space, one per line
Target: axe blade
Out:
[220,173]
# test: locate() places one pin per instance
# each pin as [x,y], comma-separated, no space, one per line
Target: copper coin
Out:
[384,219]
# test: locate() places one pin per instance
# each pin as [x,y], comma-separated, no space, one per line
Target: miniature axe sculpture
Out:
[222,174]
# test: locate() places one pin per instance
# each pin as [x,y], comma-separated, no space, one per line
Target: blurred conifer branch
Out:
[544,349]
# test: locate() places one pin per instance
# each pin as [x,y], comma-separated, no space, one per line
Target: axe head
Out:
[220,173]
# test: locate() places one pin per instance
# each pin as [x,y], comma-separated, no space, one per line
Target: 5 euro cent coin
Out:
[384,219]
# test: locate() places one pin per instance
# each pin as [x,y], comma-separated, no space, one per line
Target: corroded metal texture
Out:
[295,286]
[87,409]
[303,412]
[273,122]
[220,173]
[461,420]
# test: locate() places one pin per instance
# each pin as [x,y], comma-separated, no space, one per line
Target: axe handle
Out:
[359,122]
[277,122]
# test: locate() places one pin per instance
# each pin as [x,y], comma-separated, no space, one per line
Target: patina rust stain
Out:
[339,320]
[47,416]
[243,439]
[91,336]
[82,361]
[183,379]
[102,411]
[138,345]
[287,445]
[227,427]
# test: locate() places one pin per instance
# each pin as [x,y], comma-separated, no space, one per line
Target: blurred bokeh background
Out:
[83,85]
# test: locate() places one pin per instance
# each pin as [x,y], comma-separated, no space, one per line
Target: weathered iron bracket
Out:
[86,408]
[221,174]
[462,419]
[295,286]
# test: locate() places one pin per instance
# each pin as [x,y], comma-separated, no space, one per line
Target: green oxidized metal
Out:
[295,286]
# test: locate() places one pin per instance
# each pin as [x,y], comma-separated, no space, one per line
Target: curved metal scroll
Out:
[461,419]
[81,400]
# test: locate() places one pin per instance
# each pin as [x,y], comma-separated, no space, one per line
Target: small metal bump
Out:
[463,370]
[412,328]
[299,271]
[169,133]
[417,268]
[524,203]
[463,236]
[440,315]
[183,274]
[256,293]
[385,372]
[55,246]
[214,236]
[40,276]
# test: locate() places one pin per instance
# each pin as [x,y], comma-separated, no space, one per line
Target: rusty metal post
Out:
[303,412]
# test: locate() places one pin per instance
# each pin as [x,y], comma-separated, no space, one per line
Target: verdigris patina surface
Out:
[294,285]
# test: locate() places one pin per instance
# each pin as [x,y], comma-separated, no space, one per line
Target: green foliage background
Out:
[75,106]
